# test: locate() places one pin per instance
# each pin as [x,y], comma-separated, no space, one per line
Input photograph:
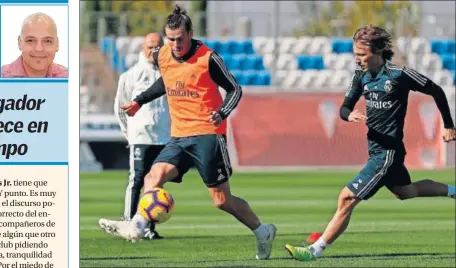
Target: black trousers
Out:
[142,156]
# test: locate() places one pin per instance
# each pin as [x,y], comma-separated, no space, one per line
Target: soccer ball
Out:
[156,205]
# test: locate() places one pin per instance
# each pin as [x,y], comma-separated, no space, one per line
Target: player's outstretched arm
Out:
[418,82]
[223,78]
[352,96]
[153,92]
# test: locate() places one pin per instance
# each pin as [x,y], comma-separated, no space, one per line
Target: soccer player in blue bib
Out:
[385,87]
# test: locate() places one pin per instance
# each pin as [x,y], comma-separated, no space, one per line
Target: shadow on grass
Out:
[350,256]
[389,255]
[293,236]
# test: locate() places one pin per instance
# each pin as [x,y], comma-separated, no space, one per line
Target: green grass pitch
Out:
[384,232]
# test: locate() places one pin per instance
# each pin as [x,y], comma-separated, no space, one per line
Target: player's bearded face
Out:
[364,56]
[179,39]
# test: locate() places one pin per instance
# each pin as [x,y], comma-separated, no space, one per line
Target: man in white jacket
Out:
[148,131]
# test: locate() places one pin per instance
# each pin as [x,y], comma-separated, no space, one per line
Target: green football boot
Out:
[300,253]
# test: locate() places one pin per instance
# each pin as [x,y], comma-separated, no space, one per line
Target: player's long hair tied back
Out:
[177,18]
[378,39]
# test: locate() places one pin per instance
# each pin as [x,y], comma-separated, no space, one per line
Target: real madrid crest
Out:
[388,86]
[137,153]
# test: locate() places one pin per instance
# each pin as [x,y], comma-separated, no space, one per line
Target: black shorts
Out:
[208,153]
[384,168]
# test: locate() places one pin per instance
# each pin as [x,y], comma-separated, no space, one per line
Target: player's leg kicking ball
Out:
[155,206]
[122,229]
[347,202]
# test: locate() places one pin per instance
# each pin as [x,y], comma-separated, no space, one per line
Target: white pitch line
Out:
[355,226]
[322,202]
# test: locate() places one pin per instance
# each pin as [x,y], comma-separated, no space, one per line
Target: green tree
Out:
[395,16]
[198,13]
[398,17]
[323,25]
[91,13]
[143,16]
[88,22]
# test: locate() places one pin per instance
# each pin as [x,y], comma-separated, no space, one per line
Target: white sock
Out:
[140,222]
[261,232]
[318,247]
[451,190]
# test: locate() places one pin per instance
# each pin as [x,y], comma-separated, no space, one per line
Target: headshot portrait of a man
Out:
[38,43]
